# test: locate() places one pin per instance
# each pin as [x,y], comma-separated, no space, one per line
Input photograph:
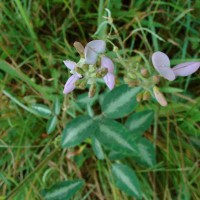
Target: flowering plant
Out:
[88,70]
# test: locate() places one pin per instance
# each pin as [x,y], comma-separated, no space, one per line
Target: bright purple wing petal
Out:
[70,84]
[98,46]
[186,69]
[109,79]
[69,64]
[90,56]
[107,63]
[160,59]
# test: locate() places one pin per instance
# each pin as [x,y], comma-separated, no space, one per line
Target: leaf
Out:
[42,110]
[114,155]
[147,154]
[84,100]
[126,179]
[120,102]
[51,124]
[115,136]
[96,146]
[56,106]
[77,130]
[63,190]
[139,122]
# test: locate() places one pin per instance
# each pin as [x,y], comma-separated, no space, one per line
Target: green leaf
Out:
[126,179]
[42,110]
[139,122]
[147,154]
[115,136]
[114,155]
[120,102]
[51,124]
[77,130]
[56,106]
[84,100]
[96,146]
[63,190]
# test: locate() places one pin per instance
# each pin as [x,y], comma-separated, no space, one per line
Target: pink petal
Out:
[159,97]
[167,73]
[186,69]
[92,49]
[109,79]
[69,64]
[160,59]
[99,46]
[70,84]
[107,63]
[161,63]
[90,56]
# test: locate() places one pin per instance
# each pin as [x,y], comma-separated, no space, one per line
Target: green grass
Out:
[36,36]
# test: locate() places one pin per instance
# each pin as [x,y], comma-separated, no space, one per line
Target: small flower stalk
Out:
[87,70]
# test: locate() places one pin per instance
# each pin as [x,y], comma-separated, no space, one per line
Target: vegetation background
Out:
[35,37]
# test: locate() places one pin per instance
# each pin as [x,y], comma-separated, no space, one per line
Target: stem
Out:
[42,164]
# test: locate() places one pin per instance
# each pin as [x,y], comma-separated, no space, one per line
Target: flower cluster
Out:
[161,63]
[87,71]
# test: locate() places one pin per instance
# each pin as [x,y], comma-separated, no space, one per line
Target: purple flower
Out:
[91,53]
[161,63]
[186,69]
[109,78]
[70,84]
[92,49]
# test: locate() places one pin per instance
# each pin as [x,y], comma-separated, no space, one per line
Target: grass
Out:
[36,36]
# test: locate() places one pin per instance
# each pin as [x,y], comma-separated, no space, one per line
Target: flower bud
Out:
[134,83]
[144,72]
[115,49]
[146,96]
[127,80]
[159,96]
[92,90]
[131,75]
[81,84]
[85,67]
[156,79]
[102,72]
[139,97]
[79,48]
[92,69]
[79,70]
